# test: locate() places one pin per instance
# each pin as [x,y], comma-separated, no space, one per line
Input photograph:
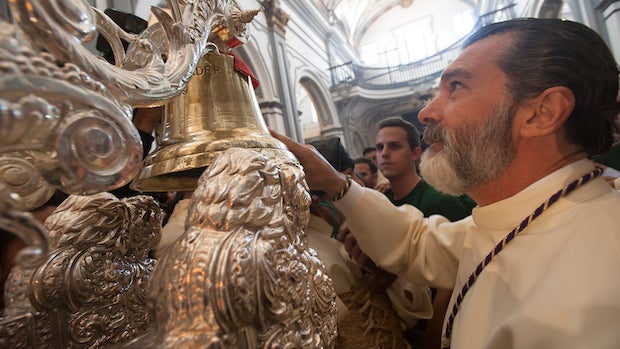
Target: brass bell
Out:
[218,110]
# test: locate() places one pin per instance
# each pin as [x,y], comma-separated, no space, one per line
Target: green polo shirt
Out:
[430,201]
[611,158]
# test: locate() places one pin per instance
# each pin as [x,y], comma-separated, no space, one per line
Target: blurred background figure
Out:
[366,170]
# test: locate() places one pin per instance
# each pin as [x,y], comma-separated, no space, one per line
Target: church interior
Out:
[114,112]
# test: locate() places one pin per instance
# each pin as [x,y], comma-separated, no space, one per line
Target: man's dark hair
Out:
[552,52]
[368,150]
[371,165]
[413,137]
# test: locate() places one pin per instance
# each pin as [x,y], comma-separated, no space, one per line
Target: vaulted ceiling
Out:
[357,16]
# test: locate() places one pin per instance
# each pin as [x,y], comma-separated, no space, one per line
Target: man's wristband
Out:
[344,190]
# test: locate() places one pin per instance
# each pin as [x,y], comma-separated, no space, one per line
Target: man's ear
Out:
[548,112]
[416,153]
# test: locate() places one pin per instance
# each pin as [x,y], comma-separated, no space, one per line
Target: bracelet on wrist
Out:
[344,190]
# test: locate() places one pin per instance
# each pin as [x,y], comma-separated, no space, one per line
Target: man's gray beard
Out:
[470,156]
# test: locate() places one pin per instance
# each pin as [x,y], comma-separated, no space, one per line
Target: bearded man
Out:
[517,115]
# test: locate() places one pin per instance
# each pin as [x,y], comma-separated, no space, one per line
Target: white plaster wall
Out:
[306,49]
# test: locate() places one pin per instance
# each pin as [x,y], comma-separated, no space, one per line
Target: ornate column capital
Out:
[276,17]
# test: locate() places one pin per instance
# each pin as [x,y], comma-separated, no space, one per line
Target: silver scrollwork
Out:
[90,290]
[61,98]
[242,276]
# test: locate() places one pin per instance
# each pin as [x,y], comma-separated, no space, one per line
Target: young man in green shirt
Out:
[398,153]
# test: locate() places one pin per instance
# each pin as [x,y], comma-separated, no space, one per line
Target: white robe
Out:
[410,302]
[556,285]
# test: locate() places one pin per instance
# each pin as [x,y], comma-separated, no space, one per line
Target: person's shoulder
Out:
[431,193]
[446,205]
[610,158]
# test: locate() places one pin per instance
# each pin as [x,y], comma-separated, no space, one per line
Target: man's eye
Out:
[455,85]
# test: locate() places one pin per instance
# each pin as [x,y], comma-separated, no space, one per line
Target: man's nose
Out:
[430,113]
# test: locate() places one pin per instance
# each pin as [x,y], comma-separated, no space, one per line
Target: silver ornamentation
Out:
[20,175]
[26,227]
[242,276]
[71,110]
[159,62]
[90,291]
[73,134]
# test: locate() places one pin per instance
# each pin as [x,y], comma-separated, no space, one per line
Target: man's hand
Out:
[320,175]
[610,180]
[350,244]
[383,187]
[383,279]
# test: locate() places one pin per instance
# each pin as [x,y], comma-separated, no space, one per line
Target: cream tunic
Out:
[409,301]
[556,285]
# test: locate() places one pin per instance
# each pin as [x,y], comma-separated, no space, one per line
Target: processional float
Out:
[239,276]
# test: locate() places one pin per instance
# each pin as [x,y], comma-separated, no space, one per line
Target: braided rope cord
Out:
[445,341]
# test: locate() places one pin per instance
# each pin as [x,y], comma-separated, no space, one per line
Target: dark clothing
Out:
[430,201]
[467,202]
[611,158]
[125,191]
[334,152]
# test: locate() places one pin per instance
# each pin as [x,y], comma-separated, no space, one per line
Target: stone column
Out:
[273,114]
[285,86]
[610,10]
